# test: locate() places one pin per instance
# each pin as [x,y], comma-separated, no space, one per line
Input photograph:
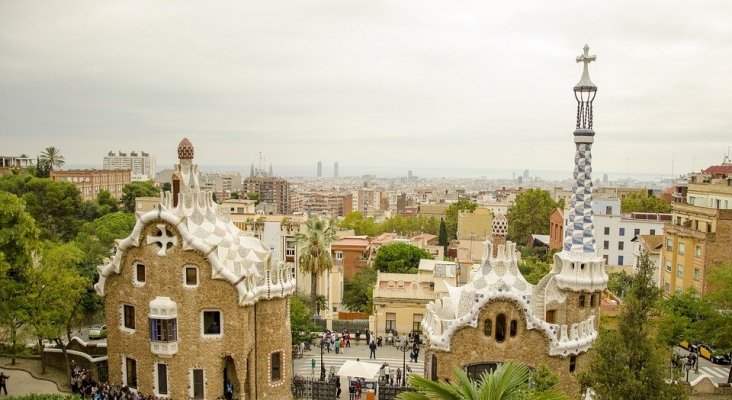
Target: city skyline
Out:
[384,85]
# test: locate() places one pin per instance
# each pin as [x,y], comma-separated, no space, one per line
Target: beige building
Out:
[192,302]
[475,225]
[91,181]
[699,236]
[11,163]
[400,299]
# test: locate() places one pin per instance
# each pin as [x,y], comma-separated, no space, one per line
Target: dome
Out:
[185,150]
[500,225]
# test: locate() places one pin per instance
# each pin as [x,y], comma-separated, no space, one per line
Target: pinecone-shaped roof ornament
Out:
[185,150]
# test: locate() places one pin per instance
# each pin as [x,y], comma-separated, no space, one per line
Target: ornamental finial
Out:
[585,84]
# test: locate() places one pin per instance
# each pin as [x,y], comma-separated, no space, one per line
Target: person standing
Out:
[3,384]
[229,390]
[337,345]
[399,377]
[343,345]
[372,348]
[368,337]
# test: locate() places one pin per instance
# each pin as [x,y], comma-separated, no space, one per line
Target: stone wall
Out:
[164,277]
[529,347]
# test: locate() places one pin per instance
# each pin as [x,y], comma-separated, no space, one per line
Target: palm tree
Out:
[52,156]
[508,382]
[315,256]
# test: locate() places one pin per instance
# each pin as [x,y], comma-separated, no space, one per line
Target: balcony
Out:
[164,349]
[686,231]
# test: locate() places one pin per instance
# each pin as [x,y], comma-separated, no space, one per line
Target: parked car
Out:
[685,344]
[705,351]
[721,358]
[98,332]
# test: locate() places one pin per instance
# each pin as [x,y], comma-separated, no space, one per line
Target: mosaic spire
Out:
[579,235]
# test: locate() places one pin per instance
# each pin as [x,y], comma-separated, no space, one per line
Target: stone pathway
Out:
[22,383]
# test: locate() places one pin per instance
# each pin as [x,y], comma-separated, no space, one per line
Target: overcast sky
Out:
[472,85]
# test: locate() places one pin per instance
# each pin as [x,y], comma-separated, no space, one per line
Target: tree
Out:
[641,202]
[315,257]
[442,237]
[133,190]
[358,292]
[719,295]
[529,214]
[56,206]
[52,157]
[619,283]
[301,321]
[54,292]
[18,244]
[399,258]
[533,268]
[234,195]
[544,378]
[451,215]
[625,363]
[167,187]
[254,196]
[508,382]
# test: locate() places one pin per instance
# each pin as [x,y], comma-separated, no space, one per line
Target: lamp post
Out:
[322,367]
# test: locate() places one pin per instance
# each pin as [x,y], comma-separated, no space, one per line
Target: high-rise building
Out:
[273,192]
[335,169]
[320,169]
[141,164]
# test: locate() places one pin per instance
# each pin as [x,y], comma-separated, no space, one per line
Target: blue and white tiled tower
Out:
[579,266]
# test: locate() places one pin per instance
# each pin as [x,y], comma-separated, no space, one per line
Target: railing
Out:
[390,392]
[312,389]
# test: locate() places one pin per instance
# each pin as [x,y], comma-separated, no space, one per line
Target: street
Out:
[718,373]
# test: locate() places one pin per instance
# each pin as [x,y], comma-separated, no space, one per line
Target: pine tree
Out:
[442,238]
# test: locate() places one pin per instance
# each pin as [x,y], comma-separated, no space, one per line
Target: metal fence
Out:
[390,392]
[313,389]
[351,324]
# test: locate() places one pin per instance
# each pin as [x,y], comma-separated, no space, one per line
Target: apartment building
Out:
[141,165]
[91,181]
[699,237]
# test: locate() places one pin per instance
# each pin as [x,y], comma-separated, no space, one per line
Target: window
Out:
[550,316]
[606,244]
[475,372]
[162,379]
[131,372]
[678,290]
[290,252]
[488,327]
[608,210]
[653,231]
[669,244]
[417,322]
[697,251]
[164,330]
[667,287]
[500,328]
[682,249]
[338,255]
[198,384]
[592,300]
[513,328]
[582,301]
[190,276]
[572,363]
[390,321]
[606,230]
[697,274]
[140,273]
[620,260]
[680,270]
[211,323]
[128,313]
[668,265]
[276,366]
[622,232]
[621,245]
[636,232]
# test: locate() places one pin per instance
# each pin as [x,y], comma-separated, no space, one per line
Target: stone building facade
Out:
[499,317]
[91,181]
[192,302]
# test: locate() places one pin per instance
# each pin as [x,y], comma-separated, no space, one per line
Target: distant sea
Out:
[437,172]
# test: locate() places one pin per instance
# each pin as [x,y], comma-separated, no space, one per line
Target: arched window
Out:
[582,301]
[488,327]
[592,300]
[572,363]
[514,328]
[500,328]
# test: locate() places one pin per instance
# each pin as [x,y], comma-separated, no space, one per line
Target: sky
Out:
[385,85]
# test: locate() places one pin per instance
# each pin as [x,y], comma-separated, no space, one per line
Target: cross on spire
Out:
[585,58]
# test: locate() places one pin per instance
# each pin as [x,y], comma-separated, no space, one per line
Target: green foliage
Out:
[234,195]
[405,226]
[625,363]
[253,196]
[358,292]
[56,206]
[619,283]
[399,258]
[301,322]
[544,378]
[52,157]
[442,236]
[533,268]
[451,216]
[133,190]
[167,187]
[96,239]
[719,327]
[508,382]
[45,397]
[684,316]
[315,256]
[640,202]
[529,214]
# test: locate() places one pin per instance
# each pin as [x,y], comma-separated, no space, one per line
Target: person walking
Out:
[337,345]
[372,348]
[3,385]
